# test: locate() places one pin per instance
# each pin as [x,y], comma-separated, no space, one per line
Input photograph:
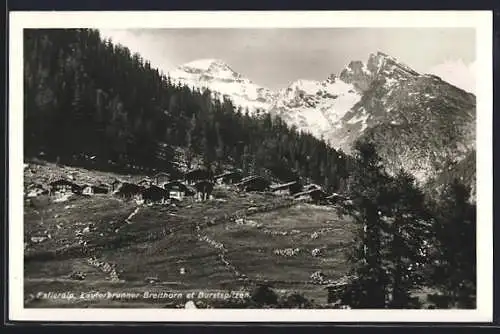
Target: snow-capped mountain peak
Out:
[206,70]
[315,106]
[223,81]
[379,66]
[205,64]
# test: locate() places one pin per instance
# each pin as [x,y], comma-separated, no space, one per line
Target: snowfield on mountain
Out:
[217,76]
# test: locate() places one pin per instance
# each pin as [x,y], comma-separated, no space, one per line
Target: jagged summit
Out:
[223,81]
[379,66]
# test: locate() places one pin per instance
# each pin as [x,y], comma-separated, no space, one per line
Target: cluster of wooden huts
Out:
[62,187]
[197,184]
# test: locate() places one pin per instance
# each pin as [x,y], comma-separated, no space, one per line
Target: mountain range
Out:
[418,122]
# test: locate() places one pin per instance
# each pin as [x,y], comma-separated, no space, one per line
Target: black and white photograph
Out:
[323,164]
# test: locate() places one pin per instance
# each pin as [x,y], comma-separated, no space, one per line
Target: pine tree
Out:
[409,232]
[394,226]
[369,195]
[455,257]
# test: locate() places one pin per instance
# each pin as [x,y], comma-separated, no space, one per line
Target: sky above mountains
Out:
[276,57]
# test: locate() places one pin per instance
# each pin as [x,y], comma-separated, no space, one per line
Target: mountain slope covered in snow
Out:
[217,76]
[315,107]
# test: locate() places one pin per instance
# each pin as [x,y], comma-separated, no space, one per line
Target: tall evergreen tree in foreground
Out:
[393,225]
[454,258]
[368,190]
[410,227]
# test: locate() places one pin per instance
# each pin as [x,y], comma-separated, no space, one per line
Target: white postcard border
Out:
[480,20]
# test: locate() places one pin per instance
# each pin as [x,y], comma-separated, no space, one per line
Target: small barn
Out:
[286,189]
[130,191]
[254,183]
[178,190]
[196,175]
[93,189]
[315,195]
[229,177]
[64,186]
[161,178]
[155,194]
[204,190]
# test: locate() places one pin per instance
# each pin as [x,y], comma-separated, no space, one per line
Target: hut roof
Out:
[161,174]
[283,185]
[228,173]
[335,195]
[312,186]
[252,178]
[310,192]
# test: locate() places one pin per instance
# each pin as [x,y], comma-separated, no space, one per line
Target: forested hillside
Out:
[87,95]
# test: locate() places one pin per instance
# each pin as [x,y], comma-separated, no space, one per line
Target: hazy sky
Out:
[276,57]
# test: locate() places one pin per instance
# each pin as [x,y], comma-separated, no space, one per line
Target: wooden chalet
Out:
[89,189]
[204,190]
[314,195]
[130,190]
[155,194]
[289,188]
[229,177]
[178,190]
[254,183]
[161,178]
[64,186]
